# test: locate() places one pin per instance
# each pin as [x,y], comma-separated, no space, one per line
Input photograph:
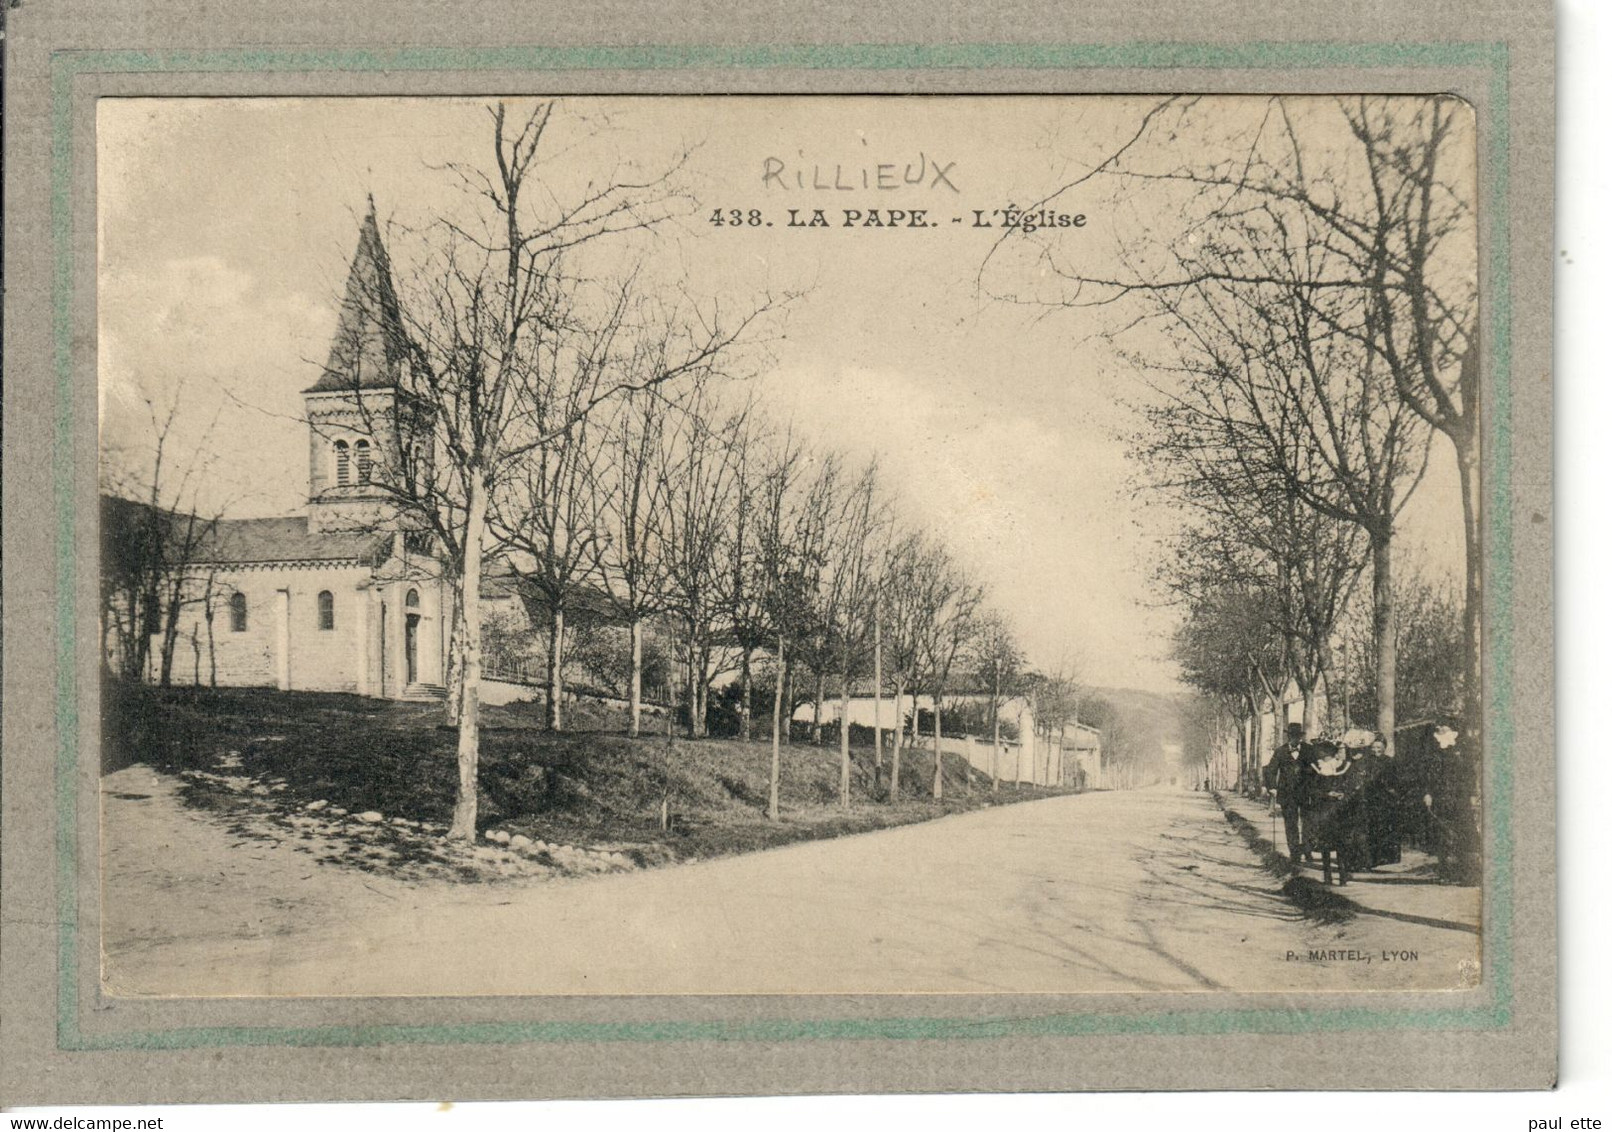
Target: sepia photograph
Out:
[790,545]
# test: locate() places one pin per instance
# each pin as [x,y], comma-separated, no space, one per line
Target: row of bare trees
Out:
[154,523]
[761,553]
[1311,330]
[559,412]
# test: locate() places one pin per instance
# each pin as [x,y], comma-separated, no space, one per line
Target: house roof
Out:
[862,688]
[289,539]
[368,346]
[1082,737]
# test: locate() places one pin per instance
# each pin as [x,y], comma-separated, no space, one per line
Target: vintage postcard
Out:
[537,536]
[594,564]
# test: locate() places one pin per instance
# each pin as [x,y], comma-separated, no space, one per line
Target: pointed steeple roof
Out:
[369,332]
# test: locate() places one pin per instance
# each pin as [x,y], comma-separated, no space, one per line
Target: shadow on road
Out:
[1425,921]
[1315,900]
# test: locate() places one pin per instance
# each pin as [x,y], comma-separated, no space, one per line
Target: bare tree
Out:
[155,530]
[632,555]
[900,639]
[1057,697]
[1244,528]
[853,572]
[549,509]
[1227,648]
[816,639]
[700,470]
[487,312]
[997,660]
[747,563]
[790,527]
[1417,243]
[1326,269]
[1312,408]
[947,604]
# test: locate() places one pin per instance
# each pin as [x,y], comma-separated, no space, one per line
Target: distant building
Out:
[1032,758]
[1083,757]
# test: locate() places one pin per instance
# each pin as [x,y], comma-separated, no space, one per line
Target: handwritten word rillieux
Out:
[925,172]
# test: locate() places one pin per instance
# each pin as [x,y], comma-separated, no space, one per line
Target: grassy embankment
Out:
[245,749]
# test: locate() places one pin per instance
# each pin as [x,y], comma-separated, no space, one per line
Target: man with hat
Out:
[1282,775]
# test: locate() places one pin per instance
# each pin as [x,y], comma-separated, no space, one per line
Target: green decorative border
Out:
[67,65]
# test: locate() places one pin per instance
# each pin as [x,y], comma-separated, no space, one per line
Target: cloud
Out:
[205,330]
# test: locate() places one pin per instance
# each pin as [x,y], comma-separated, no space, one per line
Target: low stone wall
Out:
[496,692]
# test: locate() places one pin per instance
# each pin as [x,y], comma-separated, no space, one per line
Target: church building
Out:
[341,597]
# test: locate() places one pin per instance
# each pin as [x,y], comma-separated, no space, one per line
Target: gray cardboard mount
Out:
[61,1042]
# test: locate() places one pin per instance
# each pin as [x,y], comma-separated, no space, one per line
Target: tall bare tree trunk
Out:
[691,682]
[454,704]
[635,691]
[556,667]
[996,723]
[968,768]
[1257,755]
[1384,631]
[939,788]
[464,809]
[845,738]
[996,754]
[895,748]
[1324,682]
[705,691]
[208,611]
[1242,752]
[108,621]
[789,701]
[777,745]
[878,698]
[1312,710]
[817,710]
[170,638]
[143,615]
[1472,615]
[745,682]
[668,754]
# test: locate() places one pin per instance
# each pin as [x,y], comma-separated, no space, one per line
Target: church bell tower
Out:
[351,410]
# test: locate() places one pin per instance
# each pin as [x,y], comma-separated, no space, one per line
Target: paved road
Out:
[1121,891]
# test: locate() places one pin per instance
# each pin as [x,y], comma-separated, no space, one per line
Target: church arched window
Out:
[362,459]
[237,613]
[327,609]
[412,599]
[343,462]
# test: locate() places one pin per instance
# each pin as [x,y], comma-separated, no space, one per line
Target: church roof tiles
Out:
[245,542]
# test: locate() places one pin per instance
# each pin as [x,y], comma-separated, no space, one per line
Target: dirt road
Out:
[1121,891]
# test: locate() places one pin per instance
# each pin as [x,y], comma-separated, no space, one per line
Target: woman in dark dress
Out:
[1380,778]
[1326,794]
[1354,830]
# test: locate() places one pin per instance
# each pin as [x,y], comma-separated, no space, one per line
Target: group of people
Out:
[1348,803]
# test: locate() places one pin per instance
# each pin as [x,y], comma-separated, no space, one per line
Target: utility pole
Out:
[996,721]
[878,687]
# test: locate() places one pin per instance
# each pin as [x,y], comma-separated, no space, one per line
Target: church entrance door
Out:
[411,646]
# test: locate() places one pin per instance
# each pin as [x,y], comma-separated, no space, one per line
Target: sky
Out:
[226,227]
